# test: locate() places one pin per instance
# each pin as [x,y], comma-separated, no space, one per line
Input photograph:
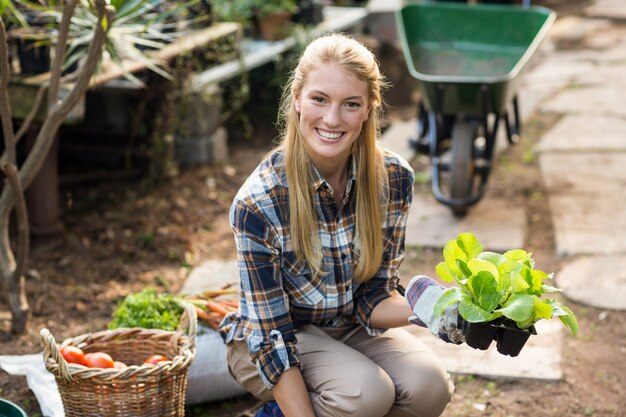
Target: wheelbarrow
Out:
[467,60]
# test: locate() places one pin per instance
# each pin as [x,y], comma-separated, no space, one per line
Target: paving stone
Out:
[604,100]
[560,68]
[586,225]
[614,9]
[605,75]
[497,225]
[576,28]
[586,194]
[210,275]
[582,132]
[591,175]
[598,281]
[539,359]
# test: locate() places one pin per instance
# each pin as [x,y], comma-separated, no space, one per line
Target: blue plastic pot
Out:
[8,409]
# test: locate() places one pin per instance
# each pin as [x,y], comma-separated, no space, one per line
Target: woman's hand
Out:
[422,293]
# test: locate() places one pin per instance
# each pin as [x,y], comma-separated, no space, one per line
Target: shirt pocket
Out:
[303,287]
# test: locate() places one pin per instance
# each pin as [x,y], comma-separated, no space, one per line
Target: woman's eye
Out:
[353,104]
[318,99]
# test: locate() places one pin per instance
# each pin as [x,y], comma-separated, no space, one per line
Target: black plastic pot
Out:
[479,335]
[510,341]
[34,58]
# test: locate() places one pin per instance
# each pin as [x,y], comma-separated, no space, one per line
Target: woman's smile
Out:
[333,105]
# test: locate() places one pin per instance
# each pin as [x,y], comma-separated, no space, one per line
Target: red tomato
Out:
[73,354]
[99,360]
[119,365]
[154,359]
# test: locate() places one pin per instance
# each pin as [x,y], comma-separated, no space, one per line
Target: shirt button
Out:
[343,256]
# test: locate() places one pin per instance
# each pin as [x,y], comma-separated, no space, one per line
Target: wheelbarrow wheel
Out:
[462,165]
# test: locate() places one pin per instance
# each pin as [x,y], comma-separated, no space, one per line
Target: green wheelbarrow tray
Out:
[8,409]
[463,48]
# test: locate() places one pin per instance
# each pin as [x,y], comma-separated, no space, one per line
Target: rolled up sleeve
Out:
[264,307]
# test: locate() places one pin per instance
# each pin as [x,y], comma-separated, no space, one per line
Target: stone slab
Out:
[586,193]
[598,281]
[614,9]
[608,74]
[540,358]
[210,275]
[600,175]
[498,225]
[588,225]
[604,100]
[576,28]
[580,133]
[559,68]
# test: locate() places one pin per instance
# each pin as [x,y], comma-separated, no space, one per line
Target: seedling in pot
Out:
[501,290]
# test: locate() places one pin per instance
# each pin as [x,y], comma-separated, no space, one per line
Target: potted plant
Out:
[499,295]
[271,17]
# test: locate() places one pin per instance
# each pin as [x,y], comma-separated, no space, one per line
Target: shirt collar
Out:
[319,181]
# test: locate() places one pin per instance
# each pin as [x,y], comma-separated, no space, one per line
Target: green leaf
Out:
[543,310]
[450,296]
[494,258]
[545,288]
[484,290]
[473,313]
[518,283]
[521,256]
[452,253]
[463,268]
[566,315]
[536,280]
[519,307]
[468,243]
[478,265]
[444,272]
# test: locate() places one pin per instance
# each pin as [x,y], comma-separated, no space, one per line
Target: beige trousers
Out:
[352,374]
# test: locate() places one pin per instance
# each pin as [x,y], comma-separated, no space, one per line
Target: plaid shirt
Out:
[278,292]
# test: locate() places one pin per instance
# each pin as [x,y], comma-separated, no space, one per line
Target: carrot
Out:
[214,306]
[215,293]
[204,316]
[230,303]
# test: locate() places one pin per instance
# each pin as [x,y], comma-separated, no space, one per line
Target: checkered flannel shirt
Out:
[278,292]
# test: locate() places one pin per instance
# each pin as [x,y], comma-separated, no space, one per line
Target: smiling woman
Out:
[319,227]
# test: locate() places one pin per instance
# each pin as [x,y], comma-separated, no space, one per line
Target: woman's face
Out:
[333,105]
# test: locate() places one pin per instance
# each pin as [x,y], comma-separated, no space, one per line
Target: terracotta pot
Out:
[273,26]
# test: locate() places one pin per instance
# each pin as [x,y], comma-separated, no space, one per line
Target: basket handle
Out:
[188,324]
[51,351]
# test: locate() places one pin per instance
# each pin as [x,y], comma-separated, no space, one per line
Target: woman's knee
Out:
[366,393]
[426,391]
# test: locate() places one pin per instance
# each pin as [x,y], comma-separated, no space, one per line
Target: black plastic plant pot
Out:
[510,341]
[479,335]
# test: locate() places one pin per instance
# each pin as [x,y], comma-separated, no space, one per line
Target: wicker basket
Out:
[137,391]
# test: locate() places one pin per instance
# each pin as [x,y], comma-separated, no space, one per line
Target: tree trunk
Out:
[12,195]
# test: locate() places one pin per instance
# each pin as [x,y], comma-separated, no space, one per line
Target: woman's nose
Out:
[332,117]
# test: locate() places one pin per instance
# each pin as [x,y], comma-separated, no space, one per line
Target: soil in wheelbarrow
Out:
[123,236]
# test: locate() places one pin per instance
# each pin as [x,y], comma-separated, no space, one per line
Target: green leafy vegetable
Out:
[150,310]
[491,285]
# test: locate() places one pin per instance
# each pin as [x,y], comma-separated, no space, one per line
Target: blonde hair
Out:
[371,177]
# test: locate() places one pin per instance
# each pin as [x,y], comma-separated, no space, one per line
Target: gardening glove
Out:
[422,293]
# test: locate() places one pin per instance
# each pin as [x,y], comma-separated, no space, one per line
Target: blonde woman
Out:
[319,228]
